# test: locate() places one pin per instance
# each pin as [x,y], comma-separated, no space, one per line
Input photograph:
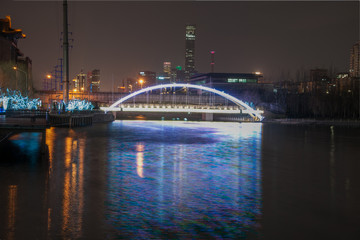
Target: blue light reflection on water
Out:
[28,144]
[184,179]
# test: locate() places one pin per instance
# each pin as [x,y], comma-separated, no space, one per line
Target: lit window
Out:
[233,80]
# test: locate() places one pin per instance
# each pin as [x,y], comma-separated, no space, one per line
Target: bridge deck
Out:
[180,108]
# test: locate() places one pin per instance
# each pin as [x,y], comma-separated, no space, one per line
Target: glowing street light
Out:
[26,78]
[141,81]
[48,76]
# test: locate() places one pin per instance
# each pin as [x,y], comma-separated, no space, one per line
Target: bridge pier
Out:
[207,117]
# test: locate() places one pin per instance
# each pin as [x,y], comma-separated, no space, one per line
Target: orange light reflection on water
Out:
[12,211]
[73,199]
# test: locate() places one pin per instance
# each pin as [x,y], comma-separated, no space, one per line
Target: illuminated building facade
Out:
[190,36]
[15,70]
[177,74]
[94,85]
[355,60]
[344,83]
[231,83]
[167,68]
[79,82]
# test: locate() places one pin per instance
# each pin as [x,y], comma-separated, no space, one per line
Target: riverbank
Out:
[307,121]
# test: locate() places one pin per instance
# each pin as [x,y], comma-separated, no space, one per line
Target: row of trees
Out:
[345,106]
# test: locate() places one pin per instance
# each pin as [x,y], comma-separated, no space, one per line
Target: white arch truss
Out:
[252,112]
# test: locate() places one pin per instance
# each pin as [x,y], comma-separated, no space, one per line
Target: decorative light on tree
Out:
[76,104]
[15,101]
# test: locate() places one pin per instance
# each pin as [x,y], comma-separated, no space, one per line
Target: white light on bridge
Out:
[252,112]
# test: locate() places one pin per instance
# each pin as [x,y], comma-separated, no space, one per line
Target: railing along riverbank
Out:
[79,118]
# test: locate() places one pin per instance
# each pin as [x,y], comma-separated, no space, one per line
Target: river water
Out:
[182,180]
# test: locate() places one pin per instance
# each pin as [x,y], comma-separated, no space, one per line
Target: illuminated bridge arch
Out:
[252,112]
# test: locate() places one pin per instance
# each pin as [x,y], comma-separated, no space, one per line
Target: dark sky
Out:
[122,38]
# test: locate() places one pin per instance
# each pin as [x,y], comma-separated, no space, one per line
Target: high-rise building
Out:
[190,51]
[79,82]
[95,81]
[177,74]
[167,68]
[355,60]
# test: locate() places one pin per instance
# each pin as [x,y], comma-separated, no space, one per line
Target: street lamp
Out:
[26,78]
[141,81]
[49,77]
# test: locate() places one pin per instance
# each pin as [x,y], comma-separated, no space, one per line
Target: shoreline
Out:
[314,122]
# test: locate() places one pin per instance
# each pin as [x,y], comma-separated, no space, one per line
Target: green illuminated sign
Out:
[240,80]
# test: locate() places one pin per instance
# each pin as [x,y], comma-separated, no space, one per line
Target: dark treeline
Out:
[335,106]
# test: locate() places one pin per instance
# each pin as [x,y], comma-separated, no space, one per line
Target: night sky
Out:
[122,38]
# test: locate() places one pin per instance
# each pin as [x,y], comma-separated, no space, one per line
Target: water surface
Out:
[182,180]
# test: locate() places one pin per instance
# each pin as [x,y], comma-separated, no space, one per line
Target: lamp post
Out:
[49,77]
[26,78]
[141,81]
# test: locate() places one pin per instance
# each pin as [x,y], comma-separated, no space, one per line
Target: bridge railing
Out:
[184,106]
[24,118]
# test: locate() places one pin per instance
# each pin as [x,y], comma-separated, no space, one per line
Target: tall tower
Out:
[190,51]
[355,60]
[65,54]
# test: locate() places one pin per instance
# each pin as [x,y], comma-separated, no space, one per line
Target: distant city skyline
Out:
[123,38]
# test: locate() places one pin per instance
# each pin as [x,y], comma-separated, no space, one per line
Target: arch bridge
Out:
[239,106]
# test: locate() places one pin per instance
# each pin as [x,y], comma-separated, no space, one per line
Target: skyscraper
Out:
[355,60]
[167,68]
[95,81]
[79,82]
[190,51]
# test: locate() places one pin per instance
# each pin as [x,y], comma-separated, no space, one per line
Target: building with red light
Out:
[190,35]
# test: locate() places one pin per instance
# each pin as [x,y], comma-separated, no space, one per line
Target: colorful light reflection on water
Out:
[184,179]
